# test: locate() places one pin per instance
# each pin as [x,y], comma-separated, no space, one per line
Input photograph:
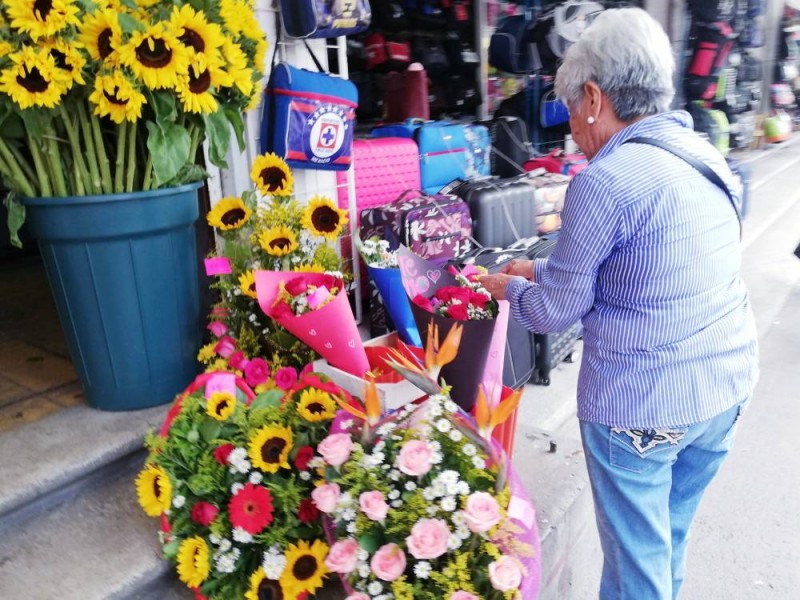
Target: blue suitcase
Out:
[448,151]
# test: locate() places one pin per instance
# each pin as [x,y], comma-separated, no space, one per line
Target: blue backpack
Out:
[324,18]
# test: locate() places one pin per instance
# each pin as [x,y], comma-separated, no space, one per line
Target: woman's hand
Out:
[496,284]
[519,268]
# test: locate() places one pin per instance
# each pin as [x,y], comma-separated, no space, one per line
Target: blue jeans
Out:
[646,486]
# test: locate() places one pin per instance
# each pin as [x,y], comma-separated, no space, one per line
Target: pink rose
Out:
[220,311]
[462,595]
[218,328]
[335,449]
[389,562]
[505,574]
[285,377]
[326,496]
[342,556]
[204,513]
[225,346]
[482,512]
[415,458]
[256,372]
[374,505]
[428,539]
[357,596]
[238,360]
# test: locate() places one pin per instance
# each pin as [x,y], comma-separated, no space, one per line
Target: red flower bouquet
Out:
[467,301]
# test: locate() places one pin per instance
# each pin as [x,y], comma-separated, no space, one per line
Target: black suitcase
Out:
[511,146]
[550,349]
[519,360]
[503,210]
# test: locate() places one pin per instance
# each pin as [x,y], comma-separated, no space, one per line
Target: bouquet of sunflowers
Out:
[110,96]
[273,233]
[230,476]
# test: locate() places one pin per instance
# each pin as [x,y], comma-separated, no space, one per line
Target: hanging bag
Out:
[324,18]
[308,117]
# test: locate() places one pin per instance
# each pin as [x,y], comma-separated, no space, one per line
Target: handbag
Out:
[324,18]
[308,117]
[552,111]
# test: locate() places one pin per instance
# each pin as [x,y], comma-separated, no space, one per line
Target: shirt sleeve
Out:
[562,290]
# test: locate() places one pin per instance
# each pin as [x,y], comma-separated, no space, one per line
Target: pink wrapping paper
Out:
[217,266]
[493,372]
[330,331]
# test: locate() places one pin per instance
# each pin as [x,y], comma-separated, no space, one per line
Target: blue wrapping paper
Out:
[390,286]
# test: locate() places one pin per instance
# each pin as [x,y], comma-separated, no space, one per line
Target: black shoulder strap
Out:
[704,169]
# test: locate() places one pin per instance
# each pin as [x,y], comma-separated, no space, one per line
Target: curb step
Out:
[100,545]
[50,460]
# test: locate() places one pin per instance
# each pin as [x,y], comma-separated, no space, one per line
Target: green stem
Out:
[30,174]
[54,159]
[148,173]
[102,157]
[15,172]
[131,178]
[119,169]
[81,172]
[195,133]
[78,178]
[91,156]
[41,171]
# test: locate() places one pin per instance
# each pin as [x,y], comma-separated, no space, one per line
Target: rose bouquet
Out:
[449,297]
[383,268]
[230,476]
[420,506]
[275,233]
[315,309]
[117,96]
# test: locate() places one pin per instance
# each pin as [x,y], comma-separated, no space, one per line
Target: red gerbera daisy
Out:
[251,508]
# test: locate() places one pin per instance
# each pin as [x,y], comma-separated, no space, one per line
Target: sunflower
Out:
[278,241]
[156,57]
[261,587]
[305,568]
[196,32]
[251,508]
[5,49]
[229,213]
[193,563]
[101,35]
[195,88]
[323,218]
[315,405]
[312,268]
[270,447]
[254,102]
[42,18]
[116,96]
[247,283]
[231,12]
[221,405]
[34,79]
[236,67]
[272,175]
[154,490]
[68,58]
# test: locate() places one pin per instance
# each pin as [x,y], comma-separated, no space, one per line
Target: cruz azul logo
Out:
[328,132]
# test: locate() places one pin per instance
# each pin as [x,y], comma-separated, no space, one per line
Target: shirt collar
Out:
[644,127]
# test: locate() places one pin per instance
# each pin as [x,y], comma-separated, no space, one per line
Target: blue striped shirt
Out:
[649,259]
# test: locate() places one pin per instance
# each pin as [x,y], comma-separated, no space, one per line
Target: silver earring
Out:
[590,120]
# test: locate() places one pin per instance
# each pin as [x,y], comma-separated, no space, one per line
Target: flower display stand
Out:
[123,271]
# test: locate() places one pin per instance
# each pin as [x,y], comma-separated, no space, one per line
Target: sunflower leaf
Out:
[169,146]
[187,174]
[209,430]
[219,138]
[15,218]
[235,119]
[270,398]
[128,23]
[36,120]
[163,104]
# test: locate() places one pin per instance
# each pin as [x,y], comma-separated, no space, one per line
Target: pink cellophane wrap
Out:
[330,331]
[217,266]
[520,508]
[493,371]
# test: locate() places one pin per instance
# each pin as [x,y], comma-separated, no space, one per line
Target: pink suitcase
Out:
[559,162]
[384,169]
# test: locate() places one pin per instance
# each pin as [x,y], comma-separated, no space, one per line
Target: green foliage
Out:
[219,137]
[169,145]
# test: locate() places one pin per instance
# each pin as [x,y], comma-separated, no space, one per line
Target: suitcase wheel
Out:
[540,379]
[573,356]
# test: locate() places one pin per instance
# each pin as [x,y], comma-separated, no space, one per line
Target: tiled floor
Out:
[36,375]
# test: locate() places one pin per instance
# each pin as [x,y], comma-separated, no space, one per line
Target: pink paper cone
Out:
[493,371]
[330,331]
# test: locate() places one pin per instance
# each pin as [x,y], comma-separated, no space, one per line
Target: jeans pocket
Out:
[735,424]
[638,450]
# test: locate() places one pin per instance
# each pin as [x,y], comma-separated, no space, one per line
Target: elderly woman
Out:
[649,259]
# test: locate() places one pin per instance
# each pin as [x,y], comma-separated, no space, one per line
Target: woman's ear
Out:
[593,98]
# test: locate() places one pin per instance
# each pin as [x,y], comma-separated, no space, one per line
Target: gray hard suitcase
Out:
[550,349]
[503,210]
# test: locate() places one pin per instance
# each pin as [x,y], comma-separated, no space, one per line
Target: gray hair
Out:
[627,54]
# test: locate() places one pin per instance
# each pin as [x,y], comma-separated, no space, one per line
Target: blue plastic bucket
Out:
[123,271]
